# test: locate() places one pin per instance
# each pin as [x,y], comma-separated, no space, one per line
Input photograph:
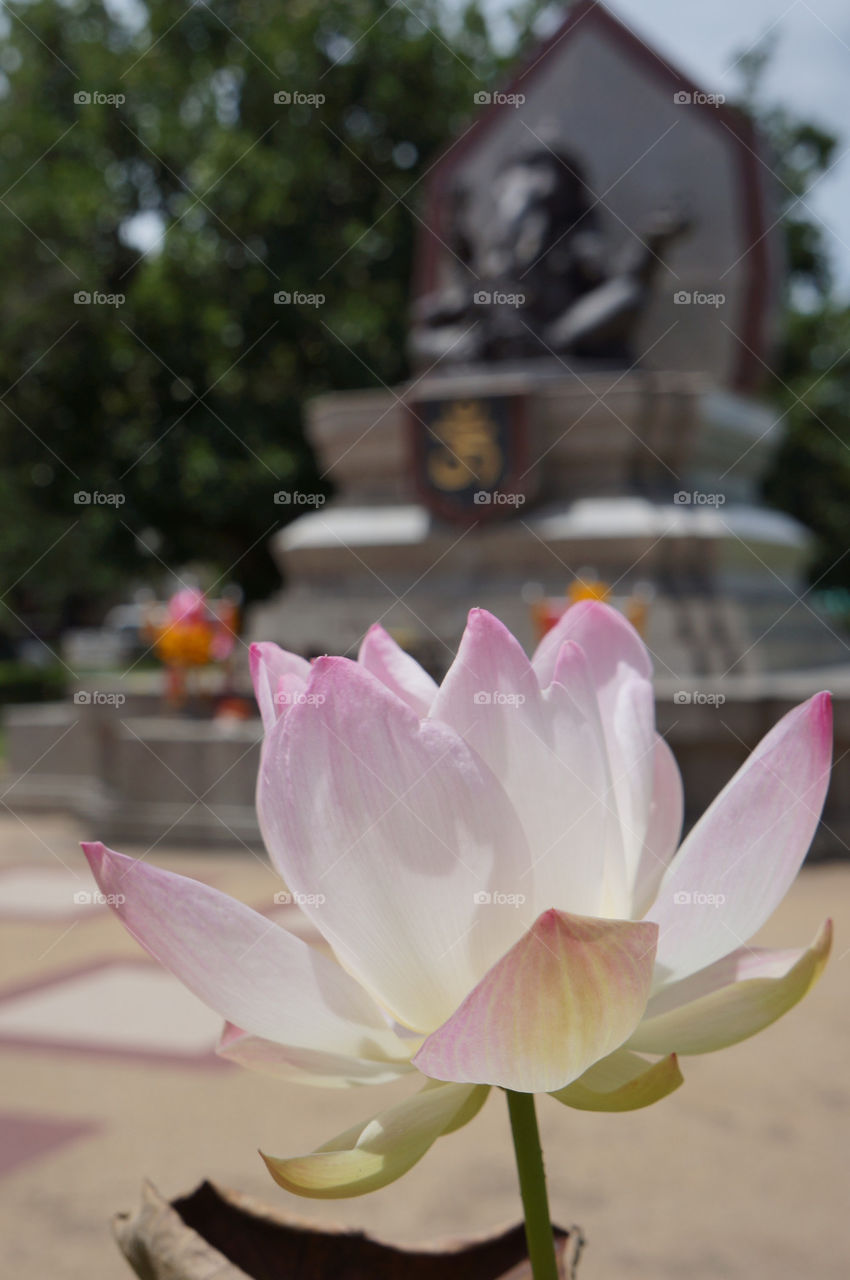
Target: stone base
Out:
[587,432]
[724,583]
[647,480]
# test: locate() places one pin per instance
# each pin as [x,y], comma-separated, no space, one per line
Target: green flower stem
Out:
[532,1186]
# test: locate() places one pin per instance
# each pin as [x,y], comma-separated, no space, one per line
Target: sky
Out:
[809,73]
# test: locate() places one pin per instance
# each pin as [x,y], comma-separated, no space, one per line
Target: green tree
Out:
[185,399]
[810,474]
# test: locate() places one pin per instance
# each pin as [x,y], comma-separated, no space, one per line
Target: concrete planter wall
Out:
[136,777]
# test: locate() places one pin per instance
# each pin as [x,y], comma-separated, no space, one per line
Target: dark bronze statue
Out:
[534,280]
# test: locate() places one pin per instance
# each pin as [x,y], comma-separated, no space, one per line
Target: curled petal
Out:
[730,1000]
[622,1082]
[305,1066]
[373,1154]
[245,967]
[380,654]
[567,994]
[269,664]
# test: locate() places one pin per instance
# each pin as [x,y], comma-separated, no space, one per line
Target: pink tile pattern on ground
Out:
[122,1008]
[44,894]
[27,1137]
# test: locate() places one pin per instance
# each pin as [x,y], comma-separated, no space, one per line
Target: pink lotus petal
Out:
[400,829]
[269,663]
[291,688]
[732,999]
[737,864]
[380,654]
[609,640]
[567,994]
[245,967]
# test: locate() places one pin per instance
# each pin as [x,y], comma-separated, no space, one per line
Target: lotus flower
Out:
[495,867]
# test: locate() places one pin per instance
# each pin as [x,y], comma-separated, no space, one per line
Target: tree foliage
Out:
[810,386]
[185,399]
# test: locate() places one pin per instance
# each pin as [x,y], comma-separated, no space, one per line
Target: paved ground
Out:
[108,1078]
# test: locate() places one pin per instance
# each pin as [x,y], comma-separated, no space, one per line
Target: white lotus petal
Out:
[402,830]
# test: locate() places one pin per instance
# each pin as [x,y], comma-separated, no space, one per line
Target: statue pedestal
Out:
[648,479]
[589,433]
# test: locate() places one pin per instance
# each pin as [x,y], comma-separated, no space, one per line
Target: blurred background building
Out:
[245,353]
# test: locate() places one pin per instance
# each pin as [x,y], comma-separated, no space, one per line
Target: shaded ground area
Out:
[108,1078]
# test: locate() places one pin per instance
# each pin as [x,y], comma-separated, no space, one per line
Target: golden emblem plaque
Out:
[469,456]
